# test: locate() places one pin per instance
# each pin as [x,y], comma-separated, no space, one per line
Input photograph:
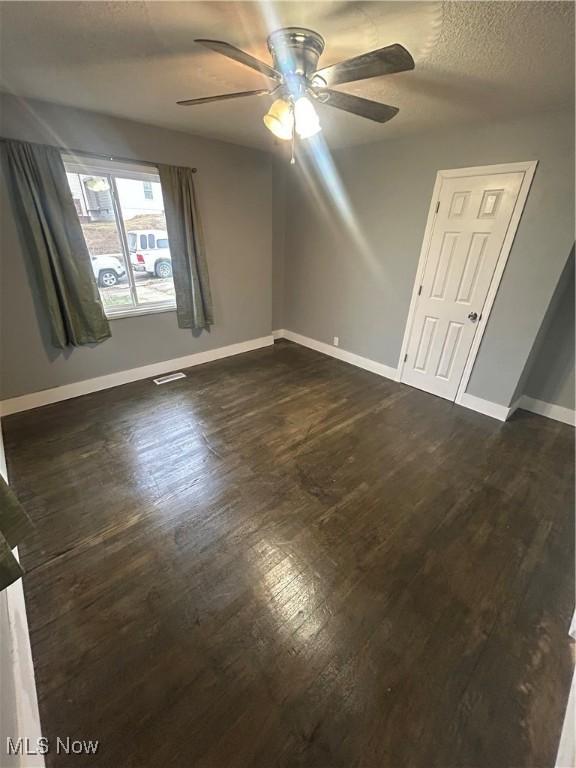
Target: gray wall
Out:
[343,264]
[550,375]
[235,198]
[279,203]
[351,274]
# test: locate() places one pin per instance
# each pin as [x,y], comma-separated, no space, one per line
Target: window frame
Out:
[113,169]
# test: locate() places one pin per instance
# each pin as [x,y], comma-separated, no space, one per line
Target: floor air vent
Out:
[170,377]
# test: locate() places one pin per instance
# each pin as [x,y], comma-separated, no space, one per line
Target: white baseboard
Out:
[487,407]
[68,391]
[514,407]
[340,354]
[551,411]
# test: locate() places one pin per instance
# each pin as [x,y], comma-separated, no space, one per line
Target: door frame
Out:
[528,168]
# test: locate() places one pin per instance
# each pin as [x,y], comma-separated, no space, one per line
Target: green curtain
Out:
[54,239]
[14,526]
[191,282]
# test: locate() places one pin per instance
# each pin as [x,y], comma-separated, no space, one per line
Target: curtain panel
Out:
[189,267]
[14,526]
[54,240]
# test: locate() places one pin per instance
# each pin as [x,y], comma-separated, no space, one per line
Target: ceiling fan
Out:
[297,83]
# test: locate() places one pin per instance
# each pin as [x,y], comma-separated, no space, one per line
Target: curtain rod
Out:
[98,154]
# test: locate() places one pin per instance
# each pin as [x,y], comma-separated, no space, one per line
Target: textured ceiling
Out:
[474,60]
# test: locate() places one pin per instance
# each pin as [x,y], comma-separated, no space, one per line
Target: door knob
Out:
[473,316]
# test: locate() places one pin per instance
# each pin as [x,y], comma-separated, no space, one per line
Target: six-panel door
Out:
[469,230]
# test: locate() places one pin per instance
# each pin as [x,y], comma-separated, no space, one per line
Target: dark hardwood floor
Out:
[283,560]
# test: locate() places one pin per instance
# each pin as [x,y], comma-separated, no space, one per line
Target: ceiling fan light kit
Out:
[280,119]
[297,82]
[286,115]
[306,118]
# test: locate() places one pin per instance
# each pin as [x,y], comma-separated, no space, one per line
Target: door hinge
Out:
[437,206]
[406,357]
[419,290]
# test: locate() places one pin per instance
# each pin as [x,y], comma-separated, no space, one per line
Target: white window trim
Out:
[129,170]
[149,309]
[86,164]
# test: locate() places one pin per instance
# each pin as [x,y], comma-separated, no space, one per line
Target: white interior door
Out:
[469,228]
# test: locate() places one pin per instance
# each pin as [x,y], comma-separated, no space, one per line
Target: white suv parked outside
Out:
[149,251]
[107,270]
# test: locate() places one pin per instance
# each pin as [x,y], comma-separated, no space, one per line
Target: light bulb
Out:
[97,184]
[306,118]
[280,119]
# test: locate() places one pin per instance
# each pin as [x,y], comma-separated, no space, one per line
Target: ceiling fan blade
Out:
[384,61]
[241,56]
[372,110]
[222,97]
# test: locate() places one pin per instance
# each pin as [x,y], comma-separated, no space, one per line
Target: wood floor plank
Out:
[282,560]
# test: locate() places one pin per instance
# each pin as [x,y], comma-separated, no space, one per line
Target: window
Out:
[123,234]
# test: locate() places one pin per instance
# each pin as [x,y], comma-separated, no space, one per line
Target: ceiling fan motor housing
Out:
[295,51]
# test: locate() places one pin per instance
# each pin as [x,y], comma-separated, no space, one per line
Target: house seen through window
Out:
[121,211]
